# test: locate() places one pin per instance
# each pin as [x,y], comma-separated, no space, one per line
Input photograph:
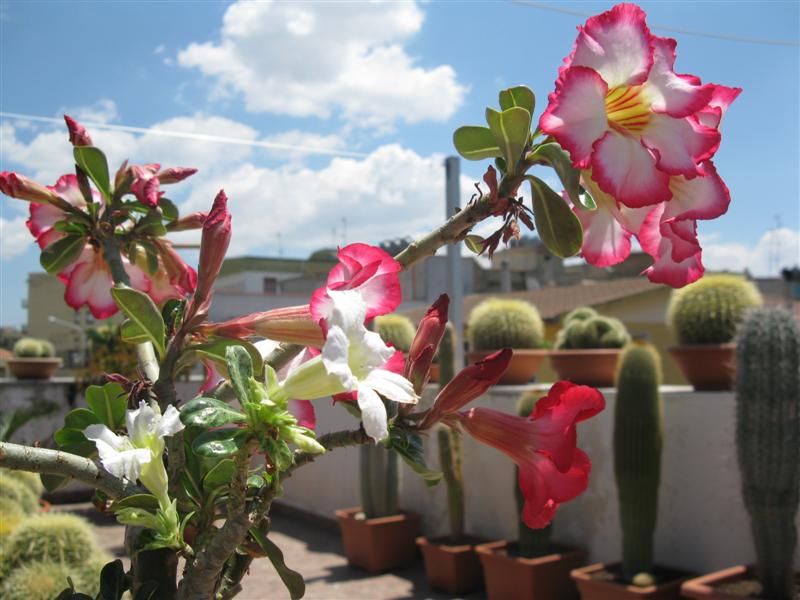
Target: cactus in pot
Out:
[768,440]
[379,481]
[638,433]
[450,459]
[33,359]
[33,348]
[591,331]
[396,330]
[498,323]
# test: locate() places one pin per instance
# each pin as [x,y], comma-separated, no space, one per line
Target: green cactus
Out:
[396,330]
[28,348]
[637,455]
[532,542]
[445,356]
[10,516]
[450,459]
[709,310]
[16,491]
[44,580]
[31,480]
[379,481]
[496,323]
[62,538]
[584,330]
[768,440]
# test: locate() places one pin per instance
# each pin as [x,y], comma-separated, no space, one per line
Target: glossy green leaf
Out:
[219,442]
[62,253]
[558,227]
[511,129]
[80,419]
[209,412]
[168,209]
[132,333]
[554,155]
[144,501]
[291,579]
[409,446]
[220,474]
[109,403]
[94,164]
[113,583]
[74,442]
[215,351]
[521,96]
[240,368]
[474,243]
[476,143]
[586,200]
[142,311]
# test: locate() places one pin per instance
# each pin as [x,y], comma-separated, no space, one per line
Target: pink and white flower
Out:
[44,216]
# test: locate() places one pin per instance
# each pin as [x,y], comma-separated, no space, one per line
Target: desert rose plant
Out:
[631,142]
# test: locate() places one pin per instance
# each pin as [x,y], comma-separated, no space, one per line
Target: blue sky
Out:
[390,82]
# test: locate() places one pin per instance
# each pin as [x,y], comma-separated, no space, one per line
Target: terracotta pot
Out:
[511,577]
[434,374]
[33,368]
[593,587]
[452,568]
[707,366]
[705,586]
[380,544]
[521,369]
[595,367]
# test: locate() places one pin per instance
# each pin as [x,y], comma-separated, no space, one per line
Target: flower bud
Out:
[193,220]
[293,324]
[175,174]
[20,187]
[431,327]
[78,136]
[419,368]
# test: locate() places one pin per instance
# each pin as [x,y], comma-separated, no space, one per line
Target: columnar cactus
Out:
[584,328]
[396,330]
[33,348]
[768,440]
[496,323]
[379,481]
[637,455]
[709,310]
[532,542]
[450,458]
[446,356]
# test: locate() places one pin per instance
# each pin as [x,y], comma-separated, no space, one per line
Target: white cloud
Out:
[314,59]
[102,111]
[14,237]
[776,249]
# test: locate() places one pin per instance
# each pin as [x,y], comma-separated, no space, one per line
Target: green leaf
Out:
[73,441]
[409,446]
[558,227]
[520,96]
[133,334]
[94,164]
[240,368]
[62,253]
[168,209]
[586,200]
[554,155]
[215,351]
[220,474]
[52,482]
[140,309]
[476,143]
[511,129]
[144,501]
[291,579]
[11,421]
[73,227]
[209,412]
[474,243]
[219,442]
[80,419]
[108,402]
[113,583]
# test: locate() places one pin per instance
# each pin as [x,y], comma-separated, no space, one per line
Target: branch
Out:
[55,462]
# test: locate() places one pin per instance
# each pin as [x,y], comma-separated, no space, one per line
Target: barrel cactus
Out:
[379,481]
[496,323]
[532,542]
[31,480]
[16,491]
[579,314]
[768,440]
[637,456]
[10,516]
[709,310]
[33,348]
[396,330]
[584,330]
[44,580]
[450,459]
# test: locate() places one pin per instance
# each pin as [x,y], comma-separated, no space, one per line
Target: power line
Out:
[191,136]
[706,34]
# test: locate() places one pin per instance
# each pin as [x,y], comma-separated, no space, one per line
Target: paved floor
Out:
[313,551]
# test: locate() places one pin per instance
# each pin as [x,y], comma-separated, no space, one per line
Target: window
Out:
[270,285]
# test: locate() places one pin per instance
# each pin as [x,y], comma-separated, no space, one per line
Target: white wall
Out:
[702,522]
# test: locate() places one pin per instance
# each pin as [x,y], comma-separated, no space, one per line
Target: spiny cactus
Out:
[584,330]
[44,580]
[768,440]
[62,538]
[709,310]
[10,516]
[450,459]
[496,323]
[445,356]
[532,542]
[31,480]
[16,491]
[637,455]
[33,348]
[379,481]
[396,330]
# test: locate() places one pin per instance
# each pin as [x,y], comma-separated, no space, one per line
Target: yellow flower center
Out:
[627,109]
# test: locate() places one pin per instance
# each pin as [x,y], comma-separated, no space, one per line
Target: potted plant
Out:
[587,348]
[397,330]
[705,316]
[33,359]
[533,567]
[498,323]
[637,466]
[767,440]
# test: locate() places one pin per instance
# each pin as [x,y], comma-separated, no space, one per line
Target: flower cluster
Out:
[643,137]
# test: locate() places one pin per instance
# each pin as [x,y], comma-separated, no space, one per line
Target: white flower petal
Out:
[373,413]
[127,464]
[335,356]
[391,386]
[348,311]
[101,433]
[170,422]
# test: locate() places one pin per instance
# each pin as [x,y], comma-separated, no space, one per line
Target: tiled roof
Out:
[552,302]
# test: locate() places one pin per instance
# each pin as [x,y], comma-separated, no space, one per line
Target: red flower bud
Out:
[419,368]
[293,324]
[19,186]
[175,174]
[78,136]
[194,220]
[431,327]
